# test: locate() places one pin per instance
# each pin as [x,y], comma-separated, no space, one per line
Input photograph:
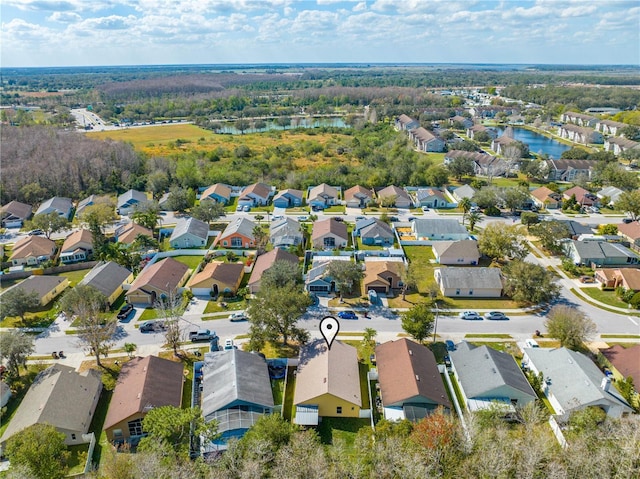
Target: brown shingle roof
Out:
[72,241]
[17,209]
[357,190]
[267,260]
[144,384]
[631,230]
[219,189]
[374,270]
[625,360]
[330,225]
[227,273]
[32,246]
[393,191]
[407,370]
[164,275]
[130,232]
[259,189]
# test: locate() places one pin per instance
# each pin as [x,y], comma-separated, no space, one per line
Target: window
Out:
[117,433]
[224,243]
[330,242]
[135,427]
[457,292]
[73,437]
[339,410]
[470,292]
[237,242]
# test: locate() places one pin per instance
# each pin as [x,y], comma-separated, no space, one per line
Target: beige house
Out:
[143,384]
[329,234]
[32,250]
[78,246]
[358,197]
[216,278]
[157,281]
[47,287]
[544,197]
[382,276]
[469,282]
[400,197]
[128,233]
[109,278]
[266,261]
[463,252]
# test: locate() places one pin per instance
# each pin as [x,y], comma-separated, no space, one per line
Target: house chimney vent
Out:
[605,384]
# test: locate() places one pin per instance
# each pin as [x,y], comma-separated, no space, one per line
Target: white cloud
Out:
[64,17]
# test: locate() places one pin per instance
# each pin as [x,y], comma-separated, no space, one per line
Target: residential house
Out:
[464,191]
[405,123]
[374,232]
[491,111]
[624,363]
[288,199]
[483,164]
[88,201]
[189,233]
[14,214]
[575,229]
[487,377]
[63,207]
[382,276]
[157,281]
[631,232]
[619,144]
[568,170]
[609,127]
[5,394]
[583,197]
[358,197]
[438,229]
[47,288]
[236,392]
[266,261]
[317,279]
[469,282]
[610,192]
[456,252]
[463,120]
[411,386]
[163,202]
[129,201]
[238,234]
[579,134]
[600,253]
[285,233]
[327,382]
[127,233]
[217,278]
[322,196]
[394,196]
[78,246]
[573,382]
[500,144]
[579,119]
[611,278]
[143,385]
[61,397]
[329,234]
[475,129]
[219,192]
[108,278]
[426,141]
[32,250]
[257,194]
[433,198]
[545,198]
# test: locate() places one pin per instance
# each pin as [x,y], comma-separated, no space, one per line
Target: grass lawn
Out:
[148,314]
[214,306]
[335,209]
[278,350]
[74,277]
[479,335]
[77,458]
[626,336]
[97,424]
[479,303]
[288,407]
[355,300]
[456,389]
[191,261]
[505,346]
[422,257]
[606,297]
[344,428]
[363,247]
[40,319]
[277,389]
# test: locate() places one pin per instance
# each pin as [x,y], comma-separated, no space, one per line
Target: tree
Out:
[259,218]
[40,448]
[147,214]
[260,238]
[180,199]
[17,302]
[514,198]
[570,326]
[345,274]
[629,202]
[529,283]
[49,223]
[274,313]
[488,196]
[96,216]
[15,348]
[280,274]
[465,205]
[170,309]
[528,219]
[284,122]
[242,125]
[418,321]
[410,279]
[551,234]
[94,330]
[474,218]
[436,175]
[609,229]
[169,430]
[130,348]
[461,166]
[208,210]
[499,241]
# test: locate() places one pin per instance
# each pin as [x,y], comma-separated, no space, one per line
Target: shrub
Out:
[635,301]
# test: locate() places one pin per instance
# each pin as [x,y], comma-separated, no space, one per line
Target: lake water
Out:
[229,127]
[538,144]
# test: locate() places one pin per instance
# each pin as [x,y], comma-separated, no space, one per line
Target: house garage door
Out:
[378,289]
[201,291]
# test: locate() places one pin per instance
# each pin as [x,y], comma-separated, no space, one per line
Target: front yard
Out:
[606,297]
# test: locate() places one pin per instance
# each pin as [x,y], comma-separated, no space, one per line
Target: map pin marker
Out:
[329,327]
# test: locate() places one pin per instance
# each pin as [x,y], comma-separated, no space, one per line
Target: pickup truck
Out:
[201,335]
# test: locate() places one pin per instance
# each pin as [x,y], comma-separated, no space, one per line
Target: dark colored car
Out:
[125,311]
[496,316]
[347,315]
[626,221]
[450,345]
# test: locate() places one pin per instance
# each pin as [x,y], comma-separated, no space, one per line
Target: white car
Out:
[470,316]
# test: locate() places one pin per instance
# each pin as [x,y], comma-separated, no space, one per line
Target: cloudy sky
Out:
[129,32]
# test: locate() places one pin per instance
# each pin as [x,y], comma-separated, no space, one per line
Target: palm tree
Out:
[474,217]
[465,205]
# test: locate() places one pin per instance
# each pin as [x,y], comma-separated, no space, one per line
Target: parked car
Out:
[347,315]
[237,317]
[470,315]
[338,218]
[149,326]
[496,316]
[246,208]
[393,219]
[411,218]
[626,221]
[303,218]
[201,335]
[587,279]
[239,208]
[358,218]
[531,343]
[37,232]
[228,344]
[125,311]
[451,346]
[425,208]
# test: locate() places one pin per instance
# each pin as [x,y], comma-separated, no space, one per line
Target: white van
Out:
[531,343]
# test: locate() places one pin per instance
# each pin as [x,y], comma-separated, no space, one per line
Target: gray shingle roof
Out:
[106,277]
[601,250]
[483,369]
[470,278]
[58,203]
[40,284]
[377,229]
[190,226]
[438,226]
[231,376]
[132,195]
[241,226]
